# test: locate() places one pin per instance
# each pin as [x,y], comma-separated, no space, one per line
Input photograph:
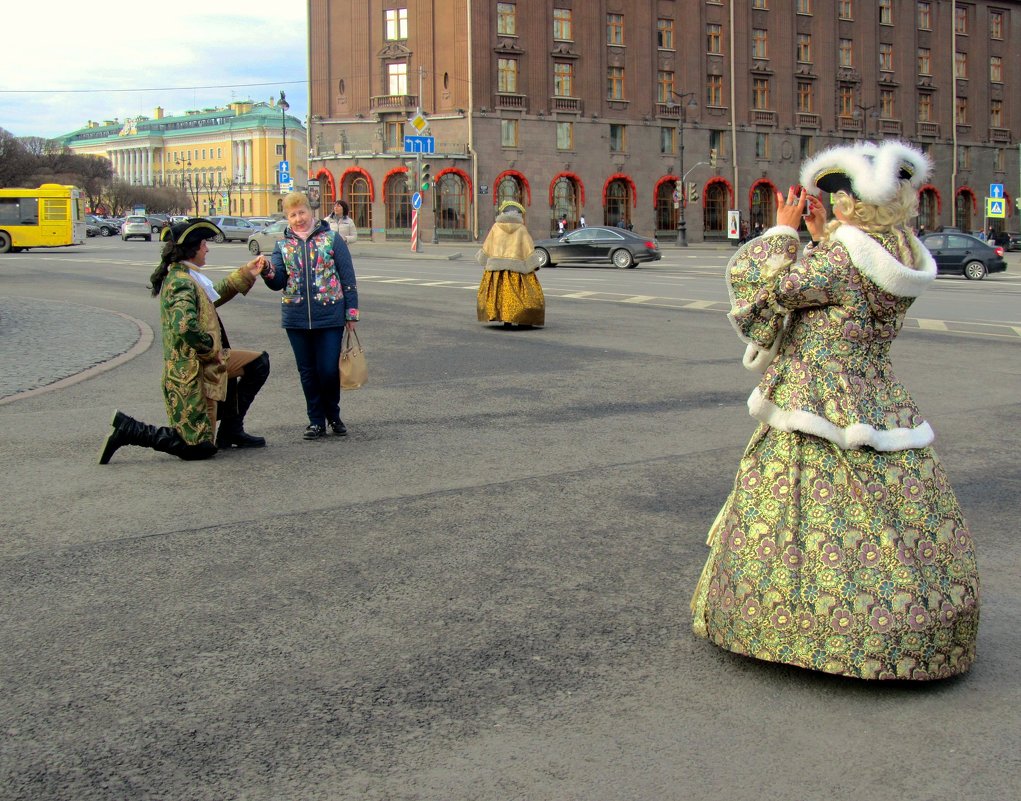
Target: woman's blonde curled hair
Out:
[876,219]
[293,200]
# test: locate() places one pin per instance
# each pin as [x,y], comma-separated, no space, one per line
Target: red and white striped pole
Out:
[414,230]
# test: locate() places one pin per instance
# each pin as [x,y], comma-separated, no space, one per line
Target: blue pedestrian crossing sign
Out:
[996,207]
[996,190]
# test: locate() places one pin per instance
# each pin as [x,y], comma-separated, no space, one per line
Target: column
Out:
[148,153]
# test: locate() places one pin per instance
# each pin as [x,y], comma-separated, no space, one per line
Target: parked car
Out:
[620,247]
[1008,240]
[261,222]
[103,227]
[232,228]
[157,222]
[91,229]
[136,225]
[964,254]
[265,239]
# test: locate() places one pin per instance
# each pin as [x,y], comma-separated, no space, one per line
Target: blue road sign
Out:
[284,166]
[285,177]
[419,144]
[416,201]
[996,190]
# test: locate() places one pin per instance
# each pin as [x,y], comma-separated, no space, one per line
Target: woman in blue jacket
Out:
[312,265]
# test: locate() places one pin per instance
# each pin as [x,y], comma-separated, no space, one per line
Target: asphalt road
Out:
[481,593]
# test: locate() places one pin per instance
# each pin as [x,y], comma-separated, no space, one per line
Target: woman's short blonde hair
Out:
[873,218]
[293,200]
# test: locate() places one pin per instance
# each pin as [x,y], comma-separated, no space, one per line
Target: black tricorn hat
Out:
[190,231]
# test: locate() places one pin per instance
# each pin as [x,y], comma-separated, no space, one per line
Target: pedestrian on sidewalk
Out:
[341,223]
[313,267]
[842,547]
[510,291]
[203,377]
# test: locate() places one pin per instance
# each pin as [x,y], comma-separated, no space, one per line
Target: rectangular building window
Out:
[886,12]
[845,9]
[924,15]
[506,19]
[961,64]
[759,42]
[713,38]
[760,93]
[615,83]
[565,136]
[804,6]
[762,147]
[964,157]
[665,33]
[1000,160]
[509,133]
[887,109]
[996,69]
[562,28]
[845,101]
[806,148]
[845,53]
[806,97]
[615,29]
[996,113]
[925,107]
[996,24]
[397,78]
[924,61]
[665,86]
[714,90]
[961,20]
[760,4]
[717,142]
[805,48]
[507,75]
[393,135]
[618,138]
[962,111]
[396,27]
[563,79]
[667,141]
[886,57]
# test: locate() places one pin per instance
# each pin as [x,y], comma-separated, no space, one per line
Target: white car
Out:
[136,225]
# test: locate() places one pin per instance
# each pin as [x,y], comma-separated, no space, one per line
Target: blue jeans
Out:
[317,355]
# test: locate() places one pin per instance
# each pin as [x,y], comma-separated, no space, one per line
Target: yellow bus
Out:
[48,217]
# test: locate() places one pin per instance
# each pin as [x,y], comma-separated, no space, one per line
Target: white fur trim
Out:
[854,436]
[879,265]
[874,169]
[758,359]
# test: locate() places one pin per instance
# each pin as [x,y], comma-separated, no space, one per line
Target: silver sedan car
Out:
[264,240]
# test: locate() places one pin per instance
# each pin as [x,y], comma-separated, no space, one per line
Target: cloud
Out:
[81,62]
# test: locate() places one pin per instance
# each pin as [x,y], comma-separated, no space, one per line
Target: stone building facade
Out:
[597,107]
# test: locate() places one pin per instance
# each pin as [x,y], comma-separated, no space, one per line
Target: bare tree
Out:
[16,164]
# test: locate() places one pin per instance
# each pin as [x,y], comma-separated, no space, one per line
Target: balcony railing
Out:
[514,102]
[565,104]
[808,120]
[928,129]
[849,123]
[393,102]
[999,134]
[890,127]
[668,110]
[760,117]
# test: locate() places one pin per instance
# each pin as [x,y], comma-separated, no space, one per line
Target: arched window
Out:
[715,208]
[763,205]
[666,213]
[398,206]
[326,197]
[928,210]
[965,205]
[510,188]
[451,206]
[359,198]
[565,203]
[618,204]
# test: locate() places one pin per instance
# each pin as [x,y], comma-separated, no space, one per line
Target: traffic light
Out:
[409,176]
[712,157]
[426,179]
[692,192]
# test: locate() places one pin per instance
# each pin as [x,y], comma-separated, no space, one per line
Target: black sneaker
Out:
[314,432]
[338,427]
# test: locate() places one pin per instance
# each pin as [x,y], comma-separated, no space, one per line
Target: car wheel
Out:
[623,259]
[105,232]
[542,257]
[155,229]
[5,242]
[253,248]
[974,271]
[219,239]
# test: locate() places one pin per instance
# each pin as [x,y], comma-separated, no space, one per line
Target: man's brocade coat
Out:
[195,350]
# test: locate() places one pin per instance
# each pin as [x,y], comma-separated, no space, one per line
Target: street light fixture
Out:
[682,225]
[284,106]
[859,113]
[186,181]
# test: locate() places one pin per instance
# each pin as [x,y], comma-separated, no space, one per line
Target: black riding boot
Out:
[240,394]
[128,431]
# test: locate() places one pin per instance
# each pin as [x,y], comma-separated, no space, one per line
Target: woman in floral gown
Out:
[841,547]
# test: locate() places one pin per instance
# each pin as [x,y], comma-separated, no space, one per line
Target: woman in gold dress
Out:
[510,292]
[842,547]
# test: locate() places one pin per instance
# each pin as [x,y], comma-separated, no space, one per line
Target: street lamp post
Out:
[682,225]
[863,113]
[284,106]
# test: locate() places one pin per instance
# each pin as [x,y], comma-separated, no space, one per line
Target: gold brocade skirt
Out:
[510,297]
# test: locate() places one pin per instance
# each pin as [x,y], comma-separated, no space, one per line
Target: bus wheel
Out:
[5,242]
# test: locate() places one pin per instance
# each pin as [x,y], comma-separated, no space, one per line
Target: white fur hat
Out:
[873,173]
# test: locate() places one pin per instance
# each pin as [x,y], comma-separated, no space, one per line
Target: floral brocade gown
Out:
[841,547]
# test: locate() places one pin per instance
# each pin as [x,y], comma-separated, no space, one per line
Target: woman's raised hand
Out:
[789,209]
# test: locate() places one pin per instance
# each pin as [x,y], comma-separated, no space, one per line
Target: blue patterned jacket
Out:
[317,277]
